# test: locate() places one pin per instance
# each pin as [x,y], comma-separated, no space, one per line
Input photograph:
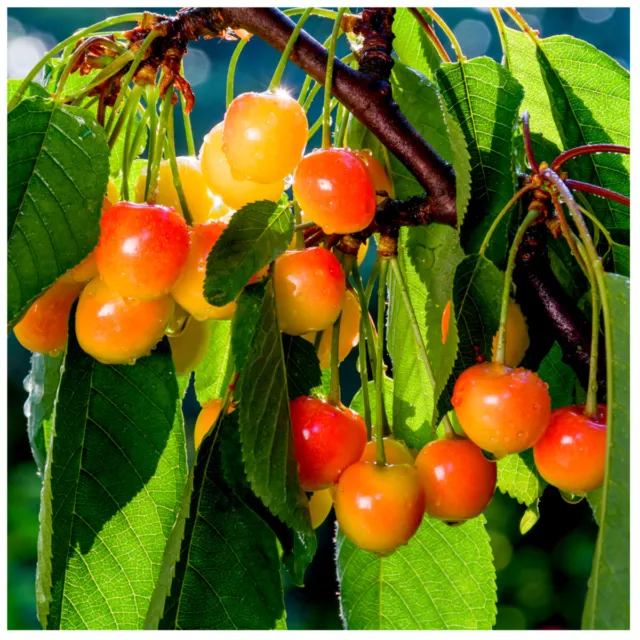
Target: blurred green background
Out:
[542,577]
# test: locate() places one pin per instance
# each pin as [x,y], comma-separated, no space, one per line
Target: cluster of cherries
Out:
[145,279]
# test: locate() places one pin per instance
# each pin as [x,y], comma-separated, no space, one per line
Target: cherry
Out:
[571,454]
[379,507]
[395,451]
[334,189]
[207,416]
[189,347]
[458,480]
[142,249]
[217,173]
[264,136]
[517,336]
[320,505]
[119,330]
[326,440]
[310,290]
[188,291]
[377,173]
[502,410]
[44,327]
[203,205]
[349,332]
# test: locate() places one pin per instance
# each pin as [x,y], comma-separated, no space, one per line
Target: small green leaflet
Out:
[112,485]
[42,386]
[559,376]
[58,163]
[213,374]
[412,45]
[608,598]
[257,234]
[443,579]
[484,98]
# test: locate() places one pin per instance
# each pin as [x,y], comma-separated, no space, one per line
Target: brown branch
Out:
[375,26]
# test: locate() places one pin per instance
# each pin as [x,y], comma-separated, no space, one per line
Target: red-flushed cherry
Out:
[571,455]
[142,249]
[189,347]
[188,291]
[334,189]
[395,451]
[378,175]
[115,329]
[264,136]
[379,508]
[502,410]
[310,290]
[517,336]
[44,327]
[320,505]
[458,480]
[84,271]
[326,440]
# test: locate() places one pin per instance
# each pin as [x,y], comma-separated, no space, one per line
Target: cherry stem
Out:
[576,185]
[152,97]
[154,168]
[568,235]
[313,129]
[299,228]
[128,111]
[70,41]
[231,71]
[445,27]
[186,121]
[587,149]
[529,219]
[498,218]
[363,299]
[328,82]
[175,171]
[417,334]
[528,147]
[125,156]
[380,409]
[284,58]
[523,24]
[431,34]
[134,149]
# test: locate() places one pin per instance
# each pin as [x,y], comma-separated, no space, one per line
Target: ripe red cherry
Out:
[571,454]
[310,290]
[334,189]
[326,440]
[44,327]
[502,410]
[142,249]
[379,508]
[377,173]
[264,136]
[458,480]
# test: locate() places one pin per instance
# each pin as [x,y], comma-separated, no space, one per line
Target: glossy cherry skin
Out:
[326,440]
[142,249]
[44,327]
[379,508]
[264,136]
[395,451]
[571,455]
[207,416]
[502,410]
[188,291]
[310,290]
[217,173]
[377,173]
[320,505]
[83,271]
[203,204]
[189,347]
[458,480]
[517,336]
[119,330]
[349,332]
[334,189]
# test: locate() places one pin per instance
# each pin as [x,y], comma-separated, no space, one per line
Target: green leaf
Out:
[263,406]
[257,234]
[213,374]
[227,572]
[42,386]
[559,376]
[484,98]
[412,45]
[621,259]
[608,598]
[33,90]
[112,487]
[443,579]
[357,402]
[428,257]
[58,171]
[302,365]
